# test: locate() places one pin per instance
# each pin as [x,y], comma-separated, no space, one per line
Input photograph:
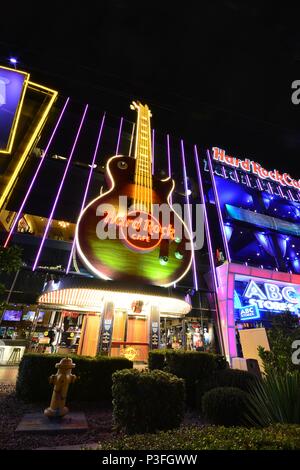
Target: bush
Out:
[157,359]
[193,367]
[95,376]
[225,405]
[226,378]
[145,401]
[211,438]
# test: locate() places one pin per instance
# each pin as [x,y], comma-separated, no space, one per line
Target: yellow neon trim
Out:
[31,141]
[15,123]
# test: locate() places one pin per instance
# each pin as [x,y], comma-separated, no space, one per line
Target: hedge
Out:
[225,378]
[191,366]
[279,437]
[225,405]
[157,359]
[146,401]
[95,376]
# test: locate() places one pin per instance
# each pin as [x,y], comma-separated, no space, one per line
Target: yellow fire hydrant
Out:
[61,380]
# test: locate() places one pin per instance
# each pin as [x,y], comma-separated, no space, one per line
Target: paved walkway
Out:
[8,374]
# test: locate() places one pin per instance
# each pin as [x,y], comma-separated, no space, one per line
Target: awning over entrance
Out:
[89,294]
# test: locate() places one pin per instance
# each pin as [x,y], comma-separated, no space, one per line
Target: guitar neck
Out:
[143,156]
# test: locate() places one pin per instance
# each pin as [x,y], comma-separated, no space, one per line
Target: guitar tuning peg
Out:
[134,105]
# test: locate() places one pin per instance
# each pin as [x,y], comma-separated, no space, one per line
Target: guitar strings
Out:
[143,176]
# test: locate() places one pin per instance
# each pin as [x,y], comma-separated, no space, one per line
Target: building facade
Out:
[245,220]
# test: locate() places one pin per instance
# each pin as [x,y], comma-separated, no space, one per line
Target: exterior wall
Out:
[225,296]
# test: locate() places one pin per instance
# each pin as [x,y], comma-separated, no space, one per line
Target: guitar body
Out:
[115,259]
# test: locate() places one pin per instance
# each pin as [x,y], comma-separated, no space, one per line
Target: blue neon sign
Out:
[249,312]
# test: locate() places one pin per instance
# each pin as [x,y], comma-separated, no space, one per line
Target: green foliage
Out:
[240,379]
[225,405]
[157,359]
[211,438]
[95,376]
[10,261]
[193,367]
[146,401]
[276,399]
[285,329]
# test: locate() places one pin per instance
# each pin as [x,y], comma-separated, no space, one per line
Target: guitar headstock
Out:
[138,106]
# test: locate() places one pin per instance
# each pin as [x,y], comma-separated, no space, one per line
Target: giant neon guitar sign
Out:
[121,235]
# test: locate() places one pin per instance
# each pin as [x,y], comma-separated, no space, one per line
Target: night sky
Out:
[214,72]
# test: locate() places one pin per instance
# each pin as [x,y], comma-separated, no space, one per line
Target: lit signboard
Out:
[254,297]
[249,312]
[255,168]
[13,84]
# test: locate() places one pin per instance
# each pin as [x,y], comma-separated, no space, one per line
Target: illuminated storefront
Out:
[135,292]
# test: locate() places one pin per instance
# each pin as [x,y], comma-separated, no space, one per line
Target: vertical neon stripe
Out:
[119,136]
[131,139]
[187,198]
[218,206]
[169,161]
[87,186]
[17,218]
[59,189]
[209,242]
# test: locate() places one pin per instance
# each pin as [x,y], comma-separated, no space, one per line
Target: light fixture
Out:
[63,224]
[13,61]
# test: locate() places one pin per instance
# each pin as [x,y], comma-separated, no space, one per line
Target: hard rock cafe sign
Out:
[255,168]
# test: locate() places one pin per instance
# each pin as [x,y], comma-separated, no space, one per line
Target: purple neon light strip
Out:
[119,135]
[87,186]
[153,146]
[291,195]
[187,198]
[59,189]
[218,206]
[209,242]
[169,162]
[236,176]
[17,218]
[270,188]
[259,184]
[248,181]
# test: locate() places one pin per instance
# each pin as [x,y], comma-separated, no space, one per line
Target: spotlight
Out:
[13,61]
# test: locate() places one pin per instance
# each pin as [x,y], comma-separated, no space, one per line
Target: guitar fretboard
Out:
[143,156]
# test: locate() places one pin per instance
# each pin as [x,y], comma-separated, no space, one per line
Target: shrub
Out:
[211,438]
[193,367]
[276,399]
[225,378]
[157,359]
[225,405]
[285,329]
[94,383]
[146,401]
